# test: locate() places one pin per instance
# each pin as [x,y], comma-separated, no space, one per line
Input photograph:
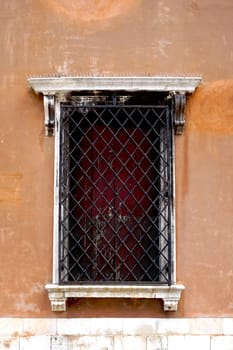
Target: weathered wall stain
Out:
[23,304]
[10,185]
[165,14]
[111,36]
[193,6]
[91,10]
[210,110]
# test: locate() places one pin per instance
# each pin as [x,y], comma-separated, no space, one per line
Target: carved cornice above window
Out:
[62,85]
[59,88]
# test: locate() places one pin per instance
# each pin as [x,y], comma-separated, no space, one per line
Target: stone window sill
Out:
[58,294]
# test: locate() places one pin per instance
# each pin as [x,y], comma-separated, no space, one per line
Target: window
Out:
[114,226]
[116,189]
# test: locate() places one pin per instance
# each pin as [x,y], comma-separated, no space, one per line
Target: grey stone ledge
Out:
[170,295]
[63,85]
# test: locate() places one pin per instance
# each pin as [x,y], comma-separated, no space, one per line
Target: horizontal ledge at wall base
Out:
[58,294]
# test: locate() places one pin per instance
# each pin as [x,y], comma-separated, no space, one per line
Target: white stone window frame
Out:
[55,91]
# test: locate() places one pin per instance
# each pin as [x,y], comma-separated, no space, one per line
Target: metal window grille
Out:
[115,192]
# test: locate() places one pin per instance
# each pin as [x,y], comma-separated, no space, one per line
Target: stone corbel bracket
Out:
[58,294]
[53,88]
[179,101]
[49,111]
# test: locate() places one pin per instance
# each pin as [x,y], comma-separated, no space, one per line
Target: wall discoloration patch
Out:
[24,304]
[10,187]
[210,110]
[91,10]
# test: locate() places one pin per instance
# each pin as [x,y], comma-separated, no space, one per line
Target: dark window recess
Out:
[115,190]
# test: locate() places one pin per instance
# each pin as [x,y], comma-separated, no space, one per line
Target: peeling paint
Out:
[162,47]
[6,234]
[23,300]
[23,305]
[165,14]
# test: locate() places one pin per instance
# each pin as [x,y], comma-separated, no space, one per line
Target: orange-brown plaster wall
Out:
[117,37]
[204,171]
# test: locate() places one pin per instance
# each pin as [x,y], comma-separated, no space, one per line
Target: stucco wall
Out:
[117,37]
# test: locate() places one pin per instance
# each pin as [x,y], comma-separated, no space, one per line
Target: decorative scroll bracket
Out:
[49,110]
[179,101]
[170,295]
[56,87]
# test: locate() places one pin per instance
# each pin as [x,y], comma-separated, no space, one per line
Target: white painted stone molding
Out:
[56,85]
[58,88]
[170,295]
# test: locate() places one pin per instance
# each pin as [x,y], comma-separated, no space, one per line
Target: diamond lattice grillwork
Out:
[115,193]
